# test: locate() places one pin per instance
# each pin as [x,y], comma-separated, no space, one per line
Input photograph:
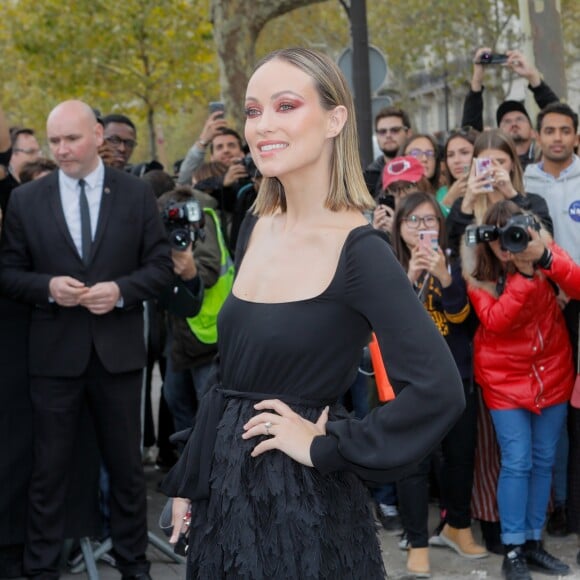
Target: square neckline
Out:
[301,300]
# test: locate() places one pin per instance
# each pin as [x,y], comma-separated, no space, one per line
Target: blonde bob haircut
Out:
[347,187]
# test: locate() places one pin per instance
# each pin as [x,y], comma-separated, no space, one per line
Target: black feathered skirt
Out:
[270,517]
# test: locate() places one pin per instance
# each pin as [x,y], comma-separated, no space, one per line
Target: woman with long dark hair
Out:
[502,180]
[441,289]
[457,158]
[523,363]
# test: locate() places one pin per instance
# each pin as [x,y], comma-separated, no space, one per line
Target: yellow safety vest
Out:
[204,323]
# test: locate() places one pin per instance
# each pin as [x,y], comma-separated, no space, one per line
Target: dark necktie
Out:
[86,238]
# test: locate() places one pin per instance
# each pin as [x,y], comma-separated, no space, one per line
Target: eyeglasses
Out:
[419,153]
[391,130]
[413,221]
[27,151]
[116,141]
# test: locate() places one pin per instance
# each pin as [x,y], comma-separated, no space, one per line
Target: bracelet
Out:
[203,143]
[545,260]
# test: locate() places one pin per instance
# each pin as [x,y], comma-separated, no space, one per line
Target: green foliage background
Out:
[156,61]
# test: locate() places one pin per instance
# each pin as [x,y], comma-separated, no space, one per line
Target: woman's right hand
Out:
[418,263]
[477,186]
[178,520]
[383,218]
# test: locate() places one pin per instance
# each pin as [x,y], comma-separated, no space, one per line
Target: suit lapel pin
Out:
[107,190]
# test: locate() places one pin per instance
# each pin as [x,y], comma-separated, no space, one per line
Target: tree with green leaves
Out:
[138,57]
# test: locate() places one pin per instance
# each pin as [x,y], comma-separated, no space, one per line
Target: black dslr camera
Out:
[249,166]
[513,237]
[184,222]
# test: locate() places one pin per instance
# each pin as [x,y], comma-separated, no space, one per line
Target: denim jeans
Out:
[528,448]
[560,475]
[182,390]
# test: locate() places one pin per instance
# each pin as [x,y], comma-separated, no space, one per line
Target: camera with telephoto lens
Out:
[513,236]
[184,222]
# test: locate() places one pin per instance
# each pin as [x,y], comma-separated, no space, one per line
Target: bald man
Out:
[85,247]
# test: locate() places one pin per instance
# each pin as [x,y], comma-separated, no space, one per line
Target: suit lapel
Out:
[56,206]
[107,200]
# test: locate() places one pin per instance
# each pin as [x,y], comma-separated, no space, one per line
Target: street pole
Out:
[361,78]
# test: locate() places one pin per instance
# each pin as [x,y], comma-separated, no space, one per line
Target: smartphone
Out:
[483,164]
[216,106]
[387,200]
[429,239]
[492,58]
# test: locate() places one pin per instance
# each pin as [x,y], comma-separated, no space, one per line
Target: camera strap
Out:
[500,285]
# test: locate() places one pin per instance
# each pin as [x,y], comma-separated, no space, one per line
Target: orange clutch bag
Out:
[384,388]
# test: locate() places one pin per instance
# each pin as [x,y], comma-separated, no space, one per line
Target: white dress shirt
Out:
[69,196]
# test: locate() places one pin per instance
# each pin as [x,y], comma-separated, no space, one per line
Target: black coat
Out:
[37,245]
[40,338]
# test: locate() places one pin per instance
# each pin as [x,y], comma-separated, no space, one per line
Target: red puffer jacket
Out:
[522,353]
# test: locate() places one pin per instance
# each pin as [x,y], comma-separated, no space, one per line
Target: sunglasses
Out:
[391,130]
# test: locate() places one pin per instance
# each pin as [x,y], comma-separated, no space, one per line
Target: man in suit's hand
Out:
[101,298]
[66,291]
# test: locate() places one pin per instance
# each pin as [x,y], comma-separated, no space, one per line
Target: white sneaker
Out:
[404,542]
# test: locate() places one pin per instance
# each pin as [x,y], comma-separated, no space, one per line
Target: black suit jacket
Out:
[130,248]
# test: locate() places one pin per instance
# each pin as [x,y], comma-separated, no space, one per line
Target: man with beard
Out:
[392,127]
[512,117]
[557,179]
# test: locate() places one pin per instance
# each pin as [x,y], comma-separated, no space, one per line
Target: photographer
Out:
[503,179]
[214,123]
[197,265]
[226,147]
[523,363]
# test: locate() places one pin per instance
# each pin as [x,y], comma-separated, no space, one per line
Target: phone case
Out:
[483,164]
[429,239]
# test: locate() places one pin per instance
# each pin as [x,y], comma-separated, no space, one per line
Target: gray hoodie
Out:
[562,195]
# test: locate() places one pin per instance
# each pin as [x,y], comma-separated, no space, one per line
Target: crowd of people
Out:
[460,252]
[515,449]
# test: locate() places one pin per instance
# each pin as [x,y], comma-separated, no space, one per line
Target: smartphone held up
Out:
[386,200]
[492,58]
[483,165]
[215,106]
[429,239]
